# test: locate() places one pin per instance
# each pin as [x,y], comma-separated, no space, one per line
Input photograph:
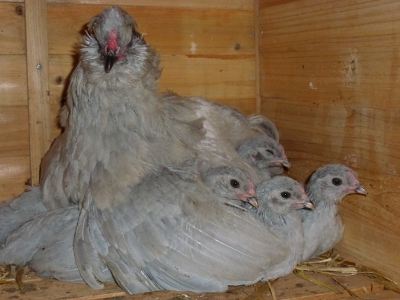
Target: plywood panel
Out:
[214,78]
[169,30]
[12,28]
[14,133]
[13,89]
[14,176]
[329,78]
[210,4]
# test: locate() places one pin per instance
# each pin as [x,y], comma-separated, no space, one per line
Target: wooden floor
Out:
[288,288]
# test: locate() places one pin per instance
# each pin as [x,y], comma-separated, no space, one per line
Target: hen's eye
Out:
[270,151]
[286,195]
[336,181]
[234,183]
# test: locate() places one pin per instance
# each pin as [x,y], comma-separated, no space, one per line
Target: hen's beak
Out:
[361,190]
[111,58]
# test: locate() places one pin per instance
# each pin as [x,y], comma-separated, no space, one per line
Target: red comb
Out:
[112,42]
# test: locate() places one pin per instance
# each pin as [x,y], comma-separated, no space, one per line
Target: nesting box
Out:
[326,72]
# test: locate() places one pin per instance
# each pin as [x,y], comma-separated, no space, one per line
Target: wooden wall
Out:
[328,74]
[330,79]
[207,47]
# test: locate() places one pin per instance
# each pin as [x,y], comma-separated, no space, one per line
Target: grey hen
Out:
[265,154]
[115,127]
[323,227]
[279,199]
[14,213]
[181,234]
[45,244]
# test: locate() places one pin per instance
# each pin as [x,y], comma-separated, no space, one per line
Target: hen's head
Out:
[329,184]
[115,32]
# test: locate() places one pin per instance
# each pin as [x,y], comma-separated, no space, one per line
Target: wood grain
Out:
[14,174]
[38,86]
[209,4]
[171,30]
[12,24]
[13,86]
[329,79]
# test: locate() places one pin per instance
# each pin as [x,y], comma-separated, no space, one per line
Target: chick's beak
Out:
[110,59]
[361,190]
[309,205]
[253,201]
[286,164]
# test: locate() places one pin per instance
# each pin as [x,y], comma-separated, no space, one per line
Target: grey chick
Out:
[323,227]
[279,201]
[185,234]
[265,154]
[263,125]
[15,212]
[224,129]
[224,124]
[115,128]
[45,244]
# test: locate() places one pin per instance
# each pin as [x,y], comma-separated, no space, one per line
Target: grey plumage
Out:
[45,244]
[323,227]
[115,127]
[15,212]
[279,201]
[263,125]
[181,234]
[265,154]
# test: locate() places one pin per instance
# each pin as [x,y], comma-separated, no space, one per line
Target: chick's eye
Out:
[234,183]
[336,181]
[286,195]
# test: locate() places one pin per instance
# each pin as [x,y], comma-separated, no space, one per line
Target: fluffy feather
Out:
[279,200]
[14,213]
[184,236]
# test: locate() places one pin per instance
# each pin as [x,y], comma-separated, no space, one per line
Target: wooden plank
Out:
[329,78]
[14,133]
[213,78]
[210,4]
[349,56]
[12,24]
[257,54]
[14,151]
[171,30]
[14,174]
[381,295]
[13,88]
[38,86]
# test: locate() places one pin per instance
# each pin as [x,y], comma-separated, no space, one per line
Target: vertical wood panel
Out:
[38,86]
[257,57]
[329,79]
